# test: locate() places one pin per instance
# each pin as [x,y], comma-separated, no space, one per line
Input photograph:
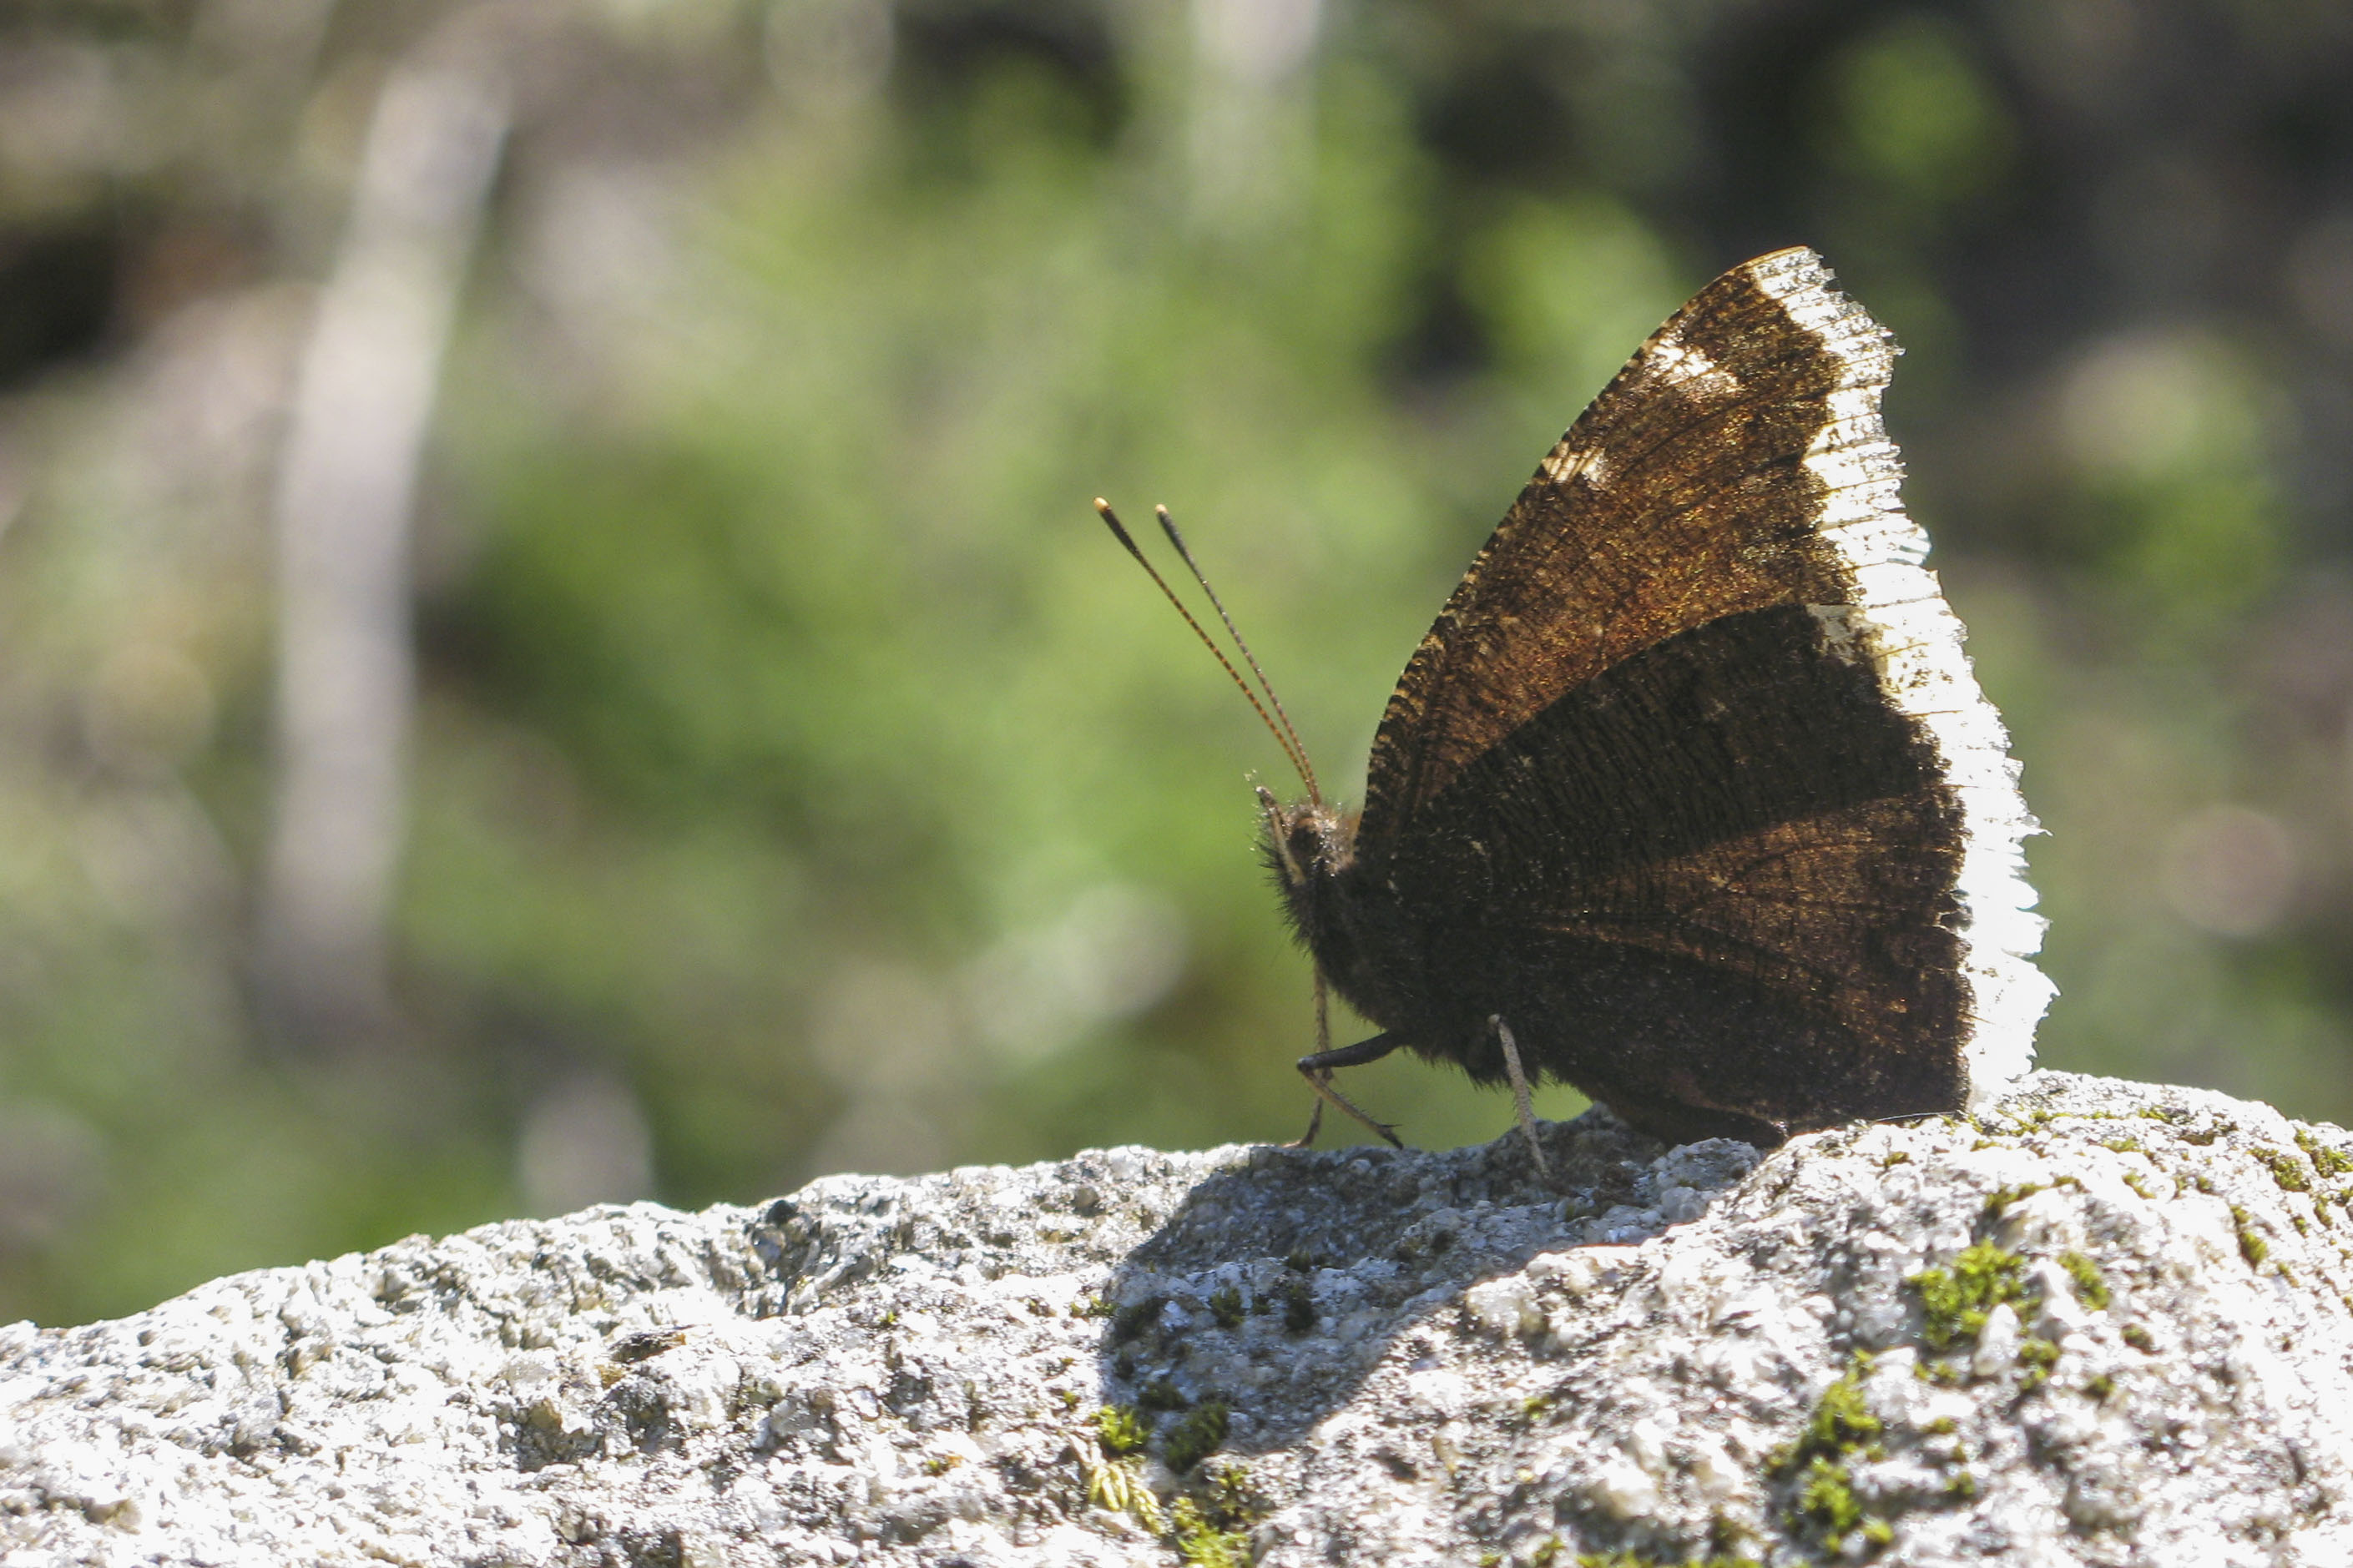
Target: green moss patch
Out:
[1202,1542]
[1956,1301]
[1129,1322]
[1120,1431]
[1298,1307]
[1840,1422]
[2252,1246]
[1841,1425]
[1959,1299]
[2038,1356]
[1998,1202]
[2090,1285]
[2286,1169]
[1160,1393]
[1197,1436]
[1207,1525]
[2328,1162]
[1826,1499]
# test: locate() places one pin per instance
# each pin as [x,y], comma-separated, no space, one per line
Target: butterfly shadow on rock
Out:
[1285,1283]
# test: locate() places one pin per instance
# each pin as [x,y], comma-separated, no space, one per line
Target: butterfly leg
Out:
[1520,1090]
[1317,1070]
[1322,1020]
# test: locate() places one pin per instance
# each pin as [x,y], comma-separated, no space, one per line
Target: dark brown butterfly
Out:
[1689,798]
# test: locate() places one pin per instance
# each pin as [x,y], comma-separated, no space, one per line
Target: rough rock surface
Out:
[2106,1325]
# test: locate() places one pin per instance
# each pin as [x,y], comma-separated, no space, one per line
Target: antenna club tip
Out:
[1102,505]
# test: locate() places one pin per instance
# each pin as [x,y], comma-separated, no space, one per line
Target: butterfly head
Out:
[1308,843]
[1303,838]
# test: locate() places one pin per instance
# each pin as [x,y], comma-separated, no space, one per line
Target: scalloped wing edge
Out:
[1898,620]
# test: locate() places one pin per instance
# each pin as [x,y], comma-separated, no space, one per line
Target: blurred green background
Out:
[792,778]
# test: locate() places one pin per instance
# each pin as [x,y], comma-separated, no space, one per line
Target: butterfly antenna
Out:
[1290,747]
[1297,748]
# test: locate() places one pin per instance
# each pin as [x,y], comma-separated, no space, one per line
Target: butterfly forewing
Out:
[1681,495]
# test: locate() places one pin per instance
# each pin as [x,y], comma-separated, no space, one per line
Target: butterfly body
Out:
[1690,789]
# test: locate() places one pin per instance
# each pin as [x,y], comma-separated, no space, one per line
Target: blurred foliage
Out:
[800,782]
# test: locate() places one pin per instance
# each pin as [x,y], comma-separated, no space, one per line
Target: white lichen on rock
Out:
[2103,1324]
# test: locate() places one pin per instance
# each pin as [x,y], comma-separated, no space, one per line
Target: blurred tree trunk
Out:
[345,492]
[1251,113]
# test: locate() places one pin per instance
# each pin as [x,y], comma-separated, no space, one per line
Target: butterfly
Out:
[1689,798]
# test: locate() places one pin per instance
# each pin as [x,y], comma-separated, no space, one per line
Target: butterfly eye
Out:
[1315,839]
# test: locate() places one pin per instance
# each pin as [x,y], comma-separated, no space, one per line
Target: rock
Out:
[2105,1324]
